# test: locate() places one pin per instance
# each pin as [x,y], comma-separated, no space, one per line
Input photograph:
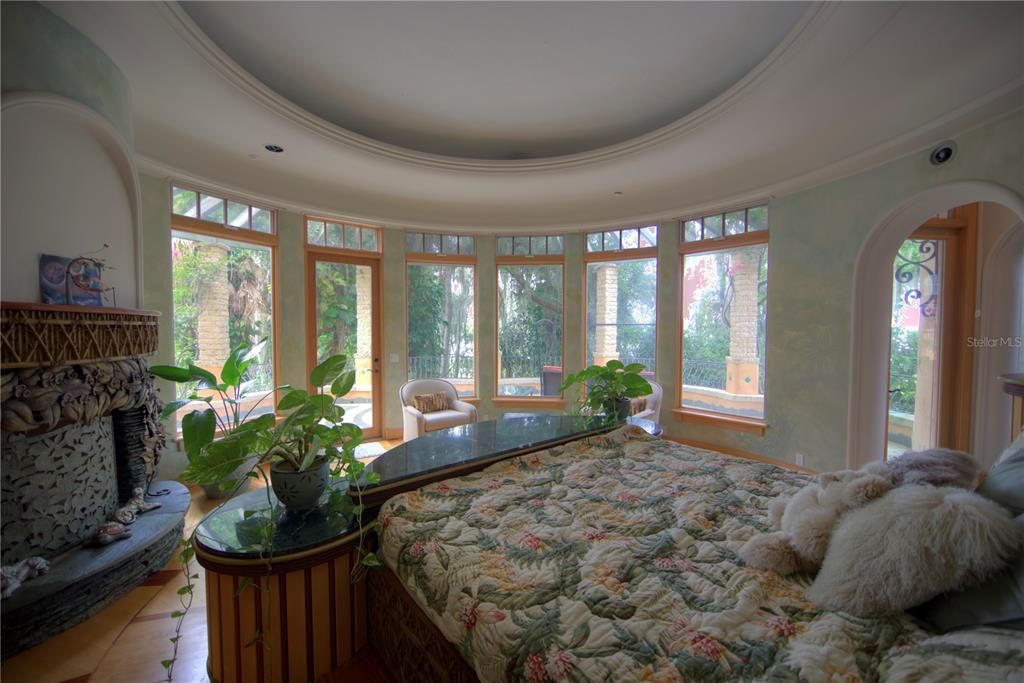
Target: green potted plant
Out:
[224,412]
[608,389]
[302,450]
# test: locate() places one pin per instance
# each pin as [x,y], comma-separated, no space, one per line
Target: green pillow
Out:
[1005,481]
[996,602]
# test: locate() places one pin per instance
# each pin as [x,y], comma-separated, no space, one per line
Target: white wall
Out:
[65,192]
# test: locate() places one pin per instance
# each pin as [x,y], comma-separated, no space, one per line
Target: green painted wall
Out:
[42,52]
[815,238]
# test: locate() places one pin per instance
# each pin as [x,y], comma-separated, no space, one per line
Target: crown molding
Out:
[230,70]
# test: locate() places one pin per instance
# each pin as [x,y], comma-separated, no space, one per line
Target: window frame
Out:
[325,249]
[198,226]
[500,401]
[629,254]
[419,257]
[756,426]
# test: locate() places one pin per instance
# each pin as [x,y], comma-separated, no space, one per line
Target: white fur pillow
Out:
[910,545]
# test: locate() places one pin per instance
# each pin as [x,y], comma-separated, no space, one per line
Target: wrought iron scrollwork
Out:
[925,267]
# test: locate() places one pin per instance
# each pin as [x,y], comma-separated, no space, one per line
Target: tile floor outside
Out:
[126,641]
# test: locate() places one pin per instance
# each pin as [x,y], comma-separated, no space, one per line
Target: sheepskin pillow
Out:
[910,545]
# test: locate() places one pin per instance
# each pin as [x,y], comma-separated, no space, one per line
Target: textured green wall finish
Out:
[815,238]
[41,52]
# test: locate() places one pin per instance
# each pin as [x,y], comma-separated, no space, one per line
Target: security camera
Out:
[943,153]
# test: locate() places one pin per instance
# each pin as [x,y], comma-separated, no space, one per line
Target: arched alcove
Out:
[872,292]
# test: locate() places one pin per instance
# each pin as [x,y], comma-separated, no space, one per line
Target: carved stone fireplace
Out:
[81,437]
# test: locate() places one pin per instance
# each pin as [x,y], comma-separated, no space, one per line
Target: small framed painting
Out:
[82,286]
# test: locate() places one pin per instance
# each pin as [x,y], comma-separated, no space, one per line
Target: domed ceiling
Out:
[538,116]
[498,80]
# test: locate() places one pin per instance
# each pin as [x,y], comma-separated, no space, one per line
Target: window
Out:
[529,329]
[444,245]
[441,332]
[622,239]
[321,232]
[530,245]
[224,212]
[724,284]
[223,297]
[622,311]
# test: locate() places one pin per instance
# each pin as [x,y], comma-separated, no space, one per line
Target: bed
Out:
[613,558]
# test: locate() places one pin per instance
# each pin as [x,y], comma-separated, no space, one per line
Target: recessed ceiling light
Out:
[276,149]
[617,193]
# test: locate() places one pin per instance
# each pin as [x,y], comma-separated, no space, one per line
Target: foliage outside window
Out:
[442,245]
[728,224]
[441,324]
[325,233]
[230,214]
[530,245]
[723,311]
[222,298]
[622,239]
[622,312]
[529,330]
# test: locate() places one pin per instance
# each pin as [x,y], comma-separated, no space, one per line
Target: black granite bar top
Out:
[447,448]
[239,528]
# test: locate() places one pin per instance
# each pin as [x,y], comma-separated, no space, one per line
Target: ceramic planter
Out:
[299,491]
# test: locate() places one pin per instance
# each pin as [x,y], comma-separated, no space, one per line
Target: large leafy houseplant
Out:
[608,389]
[313,433]
[224,412]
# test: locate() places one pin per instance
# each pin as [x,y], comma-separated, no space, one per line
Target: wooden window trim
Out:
[210,229]
[523,401]
[621,255]
[587,253]
[551,259]
[724,420]
[442,235]
[723,243]
[412,258]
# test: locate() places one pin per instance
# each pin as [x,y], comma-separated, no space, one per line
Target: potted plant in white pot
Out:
[609,388]
[230,402]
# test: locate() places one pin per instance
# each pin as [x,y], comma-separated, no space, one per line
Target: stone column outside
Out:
[741,376]
[364,329]
[607,313]
[215,298]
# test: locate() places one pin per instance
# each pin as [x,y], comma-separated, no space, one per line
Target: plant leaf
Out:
[203,376]
[344,383]
[293,399]
[197,430]
[172,407]
[328,371]
[171,372]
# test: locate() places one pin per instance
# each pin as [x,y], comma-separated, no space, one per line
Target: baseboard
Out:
[736,452]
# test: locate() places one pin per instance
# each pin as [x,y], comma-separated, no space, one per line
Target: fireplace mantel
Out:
[38,335]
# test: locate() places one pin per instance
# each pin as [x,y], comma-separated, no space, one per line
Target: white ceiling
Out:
[850,86]
[500,80]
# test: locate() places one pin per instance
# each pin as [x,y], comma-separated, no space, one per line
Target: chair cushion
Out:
[442,419]
[431,403]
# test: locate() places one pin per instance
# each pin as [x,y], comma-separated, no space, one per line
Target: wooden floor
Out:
[125,642]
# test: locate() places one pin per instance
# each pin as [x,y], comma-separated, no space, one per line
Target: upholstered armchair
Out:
[652,411]
[417,423]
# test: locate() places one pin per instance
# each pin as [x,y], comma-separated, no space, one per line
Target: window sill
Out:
[514,402]
[739,424]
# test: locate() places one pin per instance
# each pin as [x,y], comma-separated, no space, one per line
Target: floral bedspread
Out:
[614,559]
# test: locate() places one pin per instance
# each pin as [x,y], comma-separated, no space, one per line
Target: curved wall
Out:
[816,236]
[68,176]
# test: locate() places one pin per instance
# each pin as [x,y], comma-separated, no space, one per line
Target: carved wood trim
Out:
[34,335]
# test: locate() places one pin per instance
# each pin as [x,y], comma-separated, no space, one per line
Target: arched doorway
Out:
[872,310]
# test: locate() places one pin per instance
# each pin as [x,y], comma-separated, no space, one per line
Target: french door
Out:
[929,399]
[343,316]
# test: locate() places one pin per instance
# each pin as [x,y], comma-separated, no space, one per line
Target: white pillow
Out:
[910,545]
